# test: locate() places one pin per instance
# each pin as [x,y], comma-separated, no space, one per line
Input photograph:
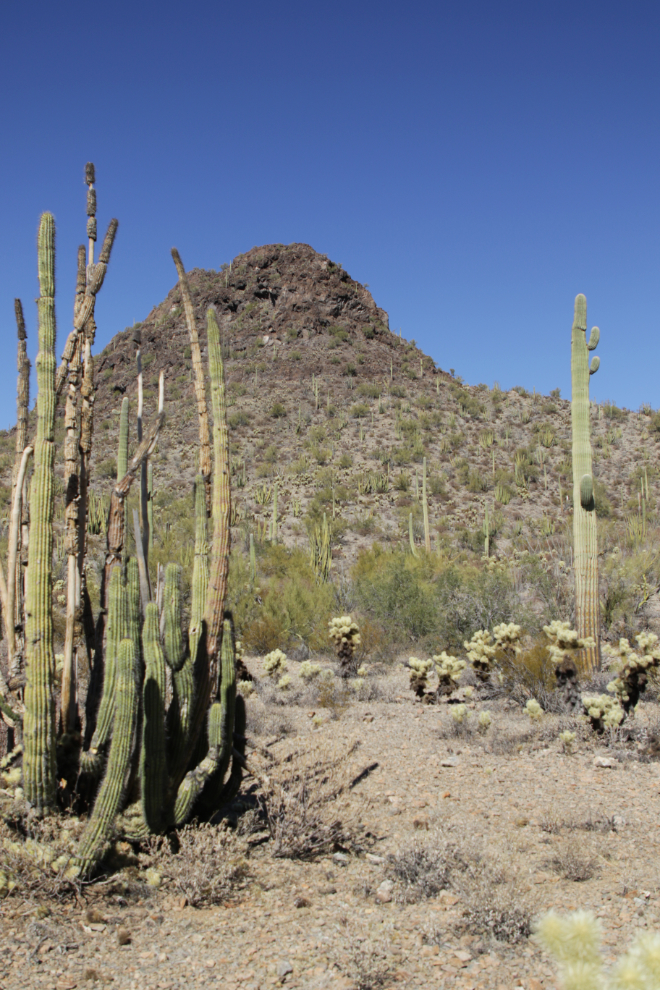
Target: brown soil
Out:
[510,799]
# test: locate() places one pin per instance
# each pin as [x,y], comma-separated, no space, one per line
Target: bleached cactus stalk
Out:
[39,771]
[587,607]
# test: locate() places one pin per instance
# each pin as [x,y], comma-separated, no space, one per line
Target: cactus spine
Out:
[39,770]
[587,610]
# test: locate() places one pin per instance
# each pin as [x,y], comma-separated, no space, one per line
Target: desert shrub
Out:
[424,867]
[496,902]
[572,862]
[238,419]
[304,800]
[206,863]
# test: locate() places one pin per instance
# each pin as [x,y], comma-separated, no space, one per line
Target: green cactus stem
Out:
[175,648]
[321,550]
[587,609]
[253,561]
[210,773]
[200,578]
[425,507]
[39,769]
[153,761]
[486,533]
[113,786]
[273,522]
[411,535]
[117,630]
[150,504]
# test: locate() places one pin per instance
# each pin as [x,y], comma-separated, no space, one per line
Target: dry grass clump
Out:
[495,900]
[206,863]
[572,863]
[424,867]
[304,799]
[366,961]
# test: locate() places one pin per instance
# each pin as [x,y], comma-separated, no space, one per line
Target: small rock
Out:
[94,916]
[464,956]
[384,892]
[604,762]
[283,969]
[368,718]
[371,858]
[301,902]
[340,859]
[450,761]
[618,821]
[421,821]
[123,936]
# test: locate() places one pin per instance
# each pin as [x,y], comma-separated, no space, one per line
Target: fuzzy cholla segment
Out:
[633,676]
[574,941]
[419,672]
[345,634]
[564,640]
[604,711]
[448,669]
[275,663]
[484,649]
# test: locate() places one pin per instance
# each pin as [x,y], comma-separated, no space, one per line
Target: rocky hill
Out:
[337,413]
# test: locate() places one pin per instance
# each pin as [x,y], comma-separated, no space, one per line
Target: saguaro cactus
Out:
[587,611]
[39,771]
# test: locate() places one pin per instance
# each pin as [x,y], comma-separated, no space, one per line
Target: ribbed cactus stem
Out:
[486,533]
[150,505]
[113,786]
[587,608]
[175,650]
[200,578]
[273,522]
[425,507]
[217,590]
[411,535]
[122,449]
[117,631]
[211,771]
[39,770]
[153,758]
[253,560]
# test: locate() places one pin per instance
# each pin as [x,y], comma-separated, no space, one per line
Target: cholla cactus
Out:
[567,740]
[563,647]
[485,720]
[574,941]
[485,649]
[633,677]
[308,670]
[284,682]
[534,710]
[246,688]
[448,669]
[460,714]
[604,711]
[275,663]
[419,672]
[345,634]
[481,654]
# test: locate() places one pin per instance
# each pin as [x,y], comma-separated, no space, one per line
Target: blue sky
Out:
[476,163]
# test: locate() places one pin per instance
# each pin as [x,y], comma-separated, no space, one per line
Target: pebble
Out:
[604,762]
[283,969]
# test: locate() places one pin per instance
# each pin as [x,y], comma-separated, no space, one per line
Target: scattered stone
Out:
[340,859]
[301,902]
[604,762]
[421,821]
[123,936]
[450,761]
[384,892]
[283,969]
[372,858]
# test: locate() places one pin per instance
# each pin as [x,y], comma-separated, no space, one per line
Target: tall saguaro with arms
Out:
[585,539]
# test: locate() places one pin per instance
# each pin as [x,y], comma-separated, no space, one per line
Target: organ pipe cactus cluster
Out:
[587,609]
[146,765]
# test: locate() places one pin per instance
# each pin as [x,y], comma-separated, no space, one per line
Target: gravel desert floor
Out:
[449,839]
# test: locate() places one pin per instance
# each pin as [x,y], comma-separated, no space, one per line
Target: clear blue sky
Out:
[476,163]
